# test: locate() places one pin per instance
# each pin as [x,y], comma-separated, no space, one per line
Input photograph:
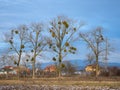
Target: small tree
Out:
[69,68]
[3,61]
[63,33]
[6,60]
[38,65]
[90,58]
[96,43]
[38,68]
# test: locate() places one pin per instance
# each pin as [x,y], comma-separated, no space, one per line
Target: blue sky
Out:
[94,13]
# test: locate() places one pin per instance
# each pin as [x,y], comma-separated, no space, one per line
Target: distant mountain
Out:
[80,64]
[114,64]
[43,65]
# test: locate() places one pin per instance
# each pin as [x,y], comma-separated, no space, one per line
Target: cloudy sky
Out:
[95,13]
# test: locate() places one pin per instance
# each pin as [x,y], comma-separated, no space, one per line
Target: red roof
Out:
[8,67]
[50,68]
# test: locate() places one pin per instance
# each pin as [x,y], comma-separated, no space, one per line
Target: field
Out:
[64,83]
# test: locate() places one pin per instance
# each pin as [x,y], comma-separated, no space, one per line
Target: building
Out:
[7,70]
[90,68]
[13,70]
[51,68]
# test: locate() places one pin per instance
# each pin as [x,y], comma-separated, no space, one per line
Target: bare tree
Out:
[37,42]
[63,32]
[90,58]
[2,61]
[16,40]
[6,60]
[96,43]
[38,65]
[26,60]
[109,48]
[69,68]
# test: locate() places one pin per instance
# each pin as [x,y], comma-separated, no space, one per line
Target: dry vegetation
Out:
[64,83]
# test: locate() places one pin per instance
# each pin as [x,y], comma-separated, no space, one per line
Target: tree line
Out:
[58,37]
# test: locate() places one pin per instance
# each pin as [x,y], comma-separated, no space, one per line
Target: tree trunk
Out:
[60,60]
[33,65]
[33,73]
[59,71]
[18,66]
[97,66]
[97,57]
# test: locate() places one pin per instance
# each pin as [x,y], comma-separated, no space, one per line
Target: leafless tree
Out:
[26,60]
[16,40]
[90,58]
[36,42]
[95,41]
[6,60]
[69,68]
[38,65]
[63,32]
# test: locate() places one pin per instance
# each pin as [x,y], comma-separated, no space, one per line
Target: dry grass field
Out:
[65,81]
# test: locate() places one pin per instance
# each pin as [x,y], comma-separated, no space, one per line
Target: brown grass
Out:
[63,81]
